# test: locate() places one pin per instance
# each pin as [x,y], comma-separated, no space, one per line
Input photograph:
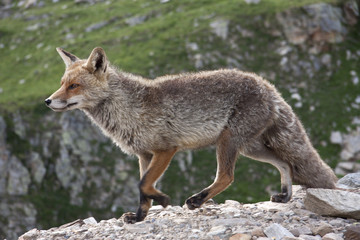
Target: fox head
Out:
[82,83]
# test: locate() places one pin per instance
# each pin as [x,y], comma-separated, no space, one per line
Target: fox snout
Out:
[48,101]
[59,105]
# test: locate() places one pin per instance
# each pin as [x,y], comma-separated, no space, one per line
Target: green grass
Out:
[157,44]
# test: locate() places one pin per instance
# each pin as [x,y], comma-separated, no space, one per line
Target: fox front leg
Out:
[159,163]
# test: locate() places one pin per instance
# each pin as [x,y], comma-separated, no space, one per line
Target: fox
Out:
[240,113]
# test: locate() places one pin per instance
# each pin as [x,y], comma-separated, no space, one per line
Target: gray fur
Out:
[190,111]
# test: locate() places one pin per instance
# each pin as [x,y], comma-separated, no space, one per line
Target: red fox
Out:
[239,112]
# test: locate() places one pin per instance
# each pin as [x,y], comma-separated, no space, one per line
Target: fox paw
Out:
[129,217]
[194,202]
[280,198]
[161,199]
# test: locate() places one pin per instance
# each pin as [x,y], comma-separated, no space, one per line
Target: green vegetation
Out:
[29,55]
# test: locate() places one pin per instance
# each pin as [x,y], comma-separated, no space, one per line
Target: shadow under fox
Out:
[239,112]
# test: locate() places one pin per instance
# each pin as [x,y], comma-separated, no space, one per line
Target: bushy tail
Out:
[287,137]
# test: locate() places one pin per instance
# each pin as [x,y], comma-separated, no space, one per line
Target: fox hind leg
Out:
[227,152]
[262,153]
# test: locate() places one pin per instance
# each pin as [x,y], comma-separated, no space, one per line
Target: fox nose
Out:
[48,101]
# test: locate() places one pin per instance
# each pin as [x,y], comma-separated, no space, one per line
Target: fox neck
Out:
[117,114]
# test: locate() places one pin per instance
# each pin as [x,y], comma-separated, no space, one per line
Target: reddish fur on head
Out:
[81,80]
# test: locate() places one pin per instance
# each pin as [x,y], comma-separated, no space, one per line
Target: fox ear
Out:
[97,61]
[67,57]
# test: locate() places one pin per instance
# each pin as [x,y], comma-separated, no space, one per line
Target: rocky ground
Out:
[232,220]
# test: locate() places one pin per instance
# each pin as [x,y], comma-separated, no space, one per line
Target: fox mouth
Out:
[64,108]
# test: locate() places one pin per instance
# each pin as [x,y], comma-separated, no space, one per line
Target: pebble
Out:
[322,229]
[240,236]
[333,236]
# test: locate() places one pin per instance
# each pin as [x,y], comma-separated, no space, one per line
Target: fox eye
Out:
[73,86]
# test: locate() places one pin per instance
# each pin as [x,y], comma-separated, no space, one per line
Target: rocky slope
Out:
[308,49]
[230,220]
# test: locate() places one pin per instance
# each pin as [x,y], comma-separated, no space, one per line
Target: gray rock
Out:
[352,232]
[291,238]
[323,23]
[19,215]
[220,27]
[330,202]
[351,145]
[19,127]
[332,236]
[18,178]
[309,237]
[252,1]
[323,229]
[336,137]
[277,231]
[351,180]
[304,230]
[138,227]
[96,26]
[90,221]
[136,20]
[217,230]
[37,167]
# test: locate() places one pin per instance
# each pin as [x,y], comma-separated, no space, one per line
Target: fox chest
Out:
[133,141]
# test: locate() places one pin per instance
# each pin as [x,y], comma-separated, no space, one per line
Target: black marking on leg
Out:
[284,189]
[161,199]
[197,200]
[141,214]
[282,197]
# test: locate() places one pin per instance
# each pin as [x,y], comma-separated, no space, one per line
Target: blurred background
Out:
[58,167]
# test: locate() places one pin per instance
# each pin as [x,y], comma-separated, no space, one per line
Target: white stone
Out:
[271,206]
[252,1]
[156,207]
[284,50]
[192,46]
[233,203]
[138,227]
[220,27]
[309,237]
[217,230]
[336,137]
[90,221]
[332,236]
[296,96]
[277,231]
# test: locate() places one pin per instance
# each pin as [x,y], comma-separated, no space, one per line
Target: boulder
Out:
[329,202]
[351,180]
